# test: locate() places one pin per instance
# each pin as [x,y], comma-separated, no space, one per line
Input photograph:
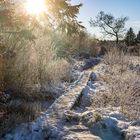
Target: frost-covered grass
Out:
[123,84]
[27,77]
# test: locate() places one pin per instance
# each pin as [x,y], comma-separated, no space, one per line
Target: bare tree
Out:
[110,25]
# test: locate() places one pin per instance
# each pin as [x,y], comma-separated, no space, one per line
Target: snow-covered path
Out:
[49,121]
[62,122]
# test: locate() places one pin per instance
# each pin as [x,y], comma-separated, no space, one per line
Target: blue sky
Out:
[129,8]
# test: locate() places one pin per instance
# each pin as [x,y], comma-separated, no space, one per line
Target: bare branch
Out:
[109,24]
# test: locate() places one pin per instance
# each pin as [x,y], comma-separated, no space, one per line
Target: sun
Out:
[35,7]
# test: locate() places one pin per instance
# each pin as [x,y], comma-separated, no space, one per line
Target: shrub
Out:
[25,75]
[35,65]
[76,44]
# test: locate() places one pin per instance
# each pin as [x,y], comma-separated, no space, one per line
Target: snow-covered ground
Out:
[71,117]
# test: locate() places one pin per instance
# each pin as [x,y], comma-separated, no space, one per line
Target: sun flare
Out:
[35,7]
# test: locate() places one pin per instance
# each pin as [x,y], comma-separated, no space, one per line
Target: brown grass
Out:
[31,69]
[124,85]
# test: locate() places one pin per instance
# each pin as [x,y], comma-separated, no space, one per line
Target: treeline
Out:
[131,38]
[115,28]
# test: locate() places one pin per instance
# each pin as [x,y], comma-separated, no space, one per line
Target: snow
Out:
[58,122]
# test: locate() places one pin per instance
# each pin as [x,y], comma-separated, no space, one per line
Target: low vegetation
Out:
[36,56]
[123,83]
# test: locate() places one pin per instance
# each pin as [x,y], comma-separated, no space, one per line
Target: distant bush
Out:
[76,44]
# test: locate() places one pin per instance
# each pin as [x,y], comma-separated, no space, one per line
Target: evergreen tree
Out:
[130,38]
[64,14]
[19,27]
[138,37]
[61,15]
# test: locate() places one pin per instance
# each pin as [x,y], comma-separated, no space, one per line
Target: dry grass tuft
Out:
[123,83]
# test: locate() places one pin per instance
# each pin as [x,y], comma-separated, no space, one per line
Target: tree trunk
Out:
[117,39]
